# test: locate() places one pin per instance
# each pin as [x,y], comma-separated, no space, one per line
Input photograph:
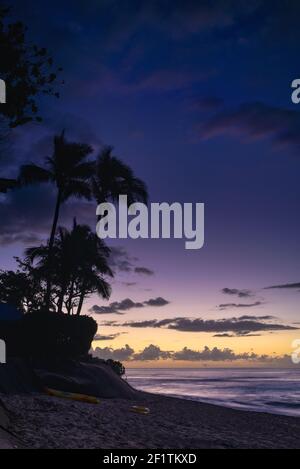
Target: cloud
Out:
[139,324]
[159,301]
[257,318]
[242,326]
[117,307]
[214,354]
[26,238]
[256,121]
[100,337]
[224,336]
[120,259]
[155,353]
[152,352]
[236,291]
[143,271]
[239,305]
[121,354]
[25,215]
[290,286]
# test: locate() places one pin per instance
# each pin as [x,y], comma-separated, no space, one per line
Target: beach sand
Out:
[46,422]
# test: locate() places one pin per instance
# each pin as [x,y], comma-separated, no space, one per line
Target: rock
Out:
[94,379]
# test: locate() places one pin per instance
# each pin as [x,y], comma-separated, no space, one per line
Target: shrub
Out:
[116,366]
[48,335]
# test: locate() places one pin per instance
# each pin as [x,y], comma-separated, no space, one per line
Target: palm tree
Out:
[87,262]
[62,257]
[113,178]
[70,171]
[81,263]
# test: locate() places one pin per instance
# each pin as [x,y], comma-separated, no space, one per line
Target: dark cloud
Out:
[257,318]
[120,259]
[236,291]
[239,305]
[129,284]
[241,334]
[140,324]
[157,302]
[291,286]
[25,215]
[238,326]
[26,238]
[118,307]
[256,121]
[143,271]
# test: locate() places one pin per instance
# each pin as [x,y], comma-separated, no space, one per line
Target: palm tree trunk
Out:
[69,301]
[50,249]
[61,299]
[80,304]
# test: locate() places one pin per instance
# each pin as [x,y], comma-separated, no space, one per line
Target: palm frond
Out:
[84,170]
[76,188]
[103,288]
[34,174]
[114,178]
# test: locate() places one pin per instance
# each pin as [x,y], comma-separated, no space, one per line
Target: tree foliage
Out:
[80,265]
[28,71]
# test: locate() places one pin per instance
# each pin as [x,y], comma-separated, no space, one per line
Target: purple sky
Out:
[195,96]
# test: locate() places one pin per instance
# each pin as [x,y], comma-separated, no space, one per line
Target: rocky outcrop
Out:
[94,378]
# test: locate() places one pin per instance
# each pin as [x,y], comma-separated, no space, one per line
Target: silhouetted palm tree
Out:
[113,178]
[81,262]
[91,263]
[70,172]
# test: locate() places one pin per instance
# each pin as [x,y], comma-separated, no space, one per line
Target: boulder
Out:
[94,379]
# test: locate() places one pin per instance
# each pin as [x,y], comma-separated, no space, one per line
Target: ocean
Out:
[275,391]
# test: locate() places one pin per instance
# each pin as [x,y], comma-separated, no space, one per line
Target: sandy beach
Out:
[40,421]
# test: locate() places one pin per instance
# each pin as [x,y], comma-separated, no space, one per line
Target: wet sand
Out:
[47,422]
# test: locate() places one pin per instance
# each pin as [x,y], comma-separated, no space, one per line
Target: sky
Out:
[196,97]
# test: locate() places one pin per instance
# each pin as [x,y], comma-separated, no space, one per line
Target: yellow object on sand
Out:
[74,396]
[139,409]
